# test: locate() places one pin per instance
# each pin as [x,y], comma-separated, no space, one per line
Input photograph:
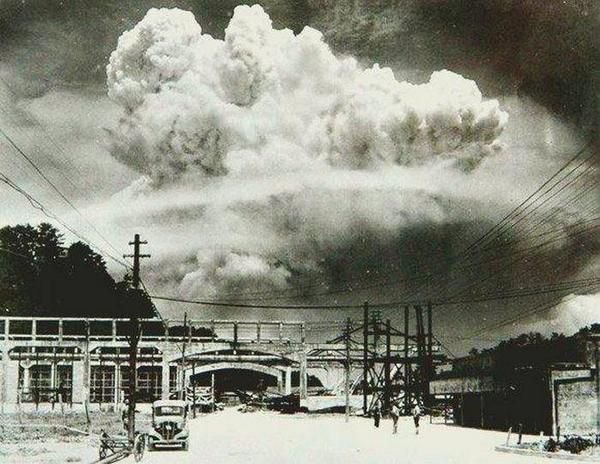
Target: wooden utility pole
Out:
[407,385]
[429,364]
[347,368]
[421,354]
[134,337]
[212,391]
[182,391]
[387,392]
[193,389]
[365,356]
[597,362]
[86,376]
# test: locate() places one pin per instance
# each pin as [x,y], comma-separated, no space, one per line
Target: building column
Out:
[553,401]
[303,377]
[4,371]
[164,382]
[11,381]
[53,369]
[78,380]
[3,380]
[288,380]
[180,379]
[117,387]
[26,378]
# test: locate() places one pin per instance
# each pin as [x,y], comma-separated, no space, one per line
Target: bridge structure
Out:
[85,360]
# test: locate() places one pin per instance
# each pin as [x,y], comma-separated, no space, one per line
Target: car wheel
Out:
[186,445]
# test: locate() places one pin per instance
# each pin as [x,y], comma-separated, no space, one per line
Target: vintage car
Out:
[169,425]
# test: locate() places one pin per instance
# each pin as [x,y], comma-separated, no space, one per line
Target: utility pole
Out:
[365,356]
[193,389]
[597,362]
[134,337]
[347,368]
[430,371]
[407,373]
[182,391]
[387,392]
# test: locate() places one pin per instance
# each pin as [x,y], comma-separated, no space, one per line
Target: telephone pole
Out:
[182,392]
[134,336]
[347,368]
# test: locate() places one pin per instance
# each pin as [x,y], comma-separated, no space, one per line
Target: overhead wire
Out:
[14,253]
[35,203]
[523,203]
[532,291]
[546,187]
[496,231]
[54,187]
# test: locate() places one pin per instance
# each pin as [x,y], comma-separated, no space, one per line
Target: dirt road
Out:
[230,437]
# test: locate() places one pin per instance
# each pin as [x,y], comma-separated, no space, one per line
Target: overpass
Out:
[77,360]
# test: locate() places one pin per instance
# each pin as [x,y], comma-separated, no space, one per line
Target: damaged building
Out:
[534,385]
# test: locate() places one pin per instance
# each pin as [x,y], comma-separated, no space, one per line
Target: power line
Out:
[11,252]
[498,229]
[48,213]
[452,355]
[537,309]
[54,187]
[525,201]
[575,285]
[232,304]
[519,256]
[532,291]
[154,308]
[47,136]
[518,211]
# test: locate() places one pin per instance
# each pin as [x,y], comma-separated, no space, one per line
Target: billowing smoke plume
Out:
[283,167]
[292,160]
[573,313]
[268,100]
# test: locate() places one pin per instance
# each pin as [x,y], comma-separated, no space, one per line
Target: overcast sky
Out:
[304,183]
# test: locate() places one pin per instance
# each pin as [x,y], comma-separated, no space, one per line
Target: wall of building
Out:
[576,402]
[522,403]
[462,385]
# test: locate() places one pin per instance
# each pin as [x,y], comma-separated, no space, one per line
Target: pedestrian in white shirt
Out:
[416,413]
[395,413]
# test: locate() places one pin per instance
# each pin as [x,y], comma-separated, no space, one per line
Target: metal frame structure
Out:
[395,363]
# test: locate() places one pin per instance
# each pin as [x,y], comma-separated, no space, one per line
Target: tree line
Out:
[525,352]
[42,276]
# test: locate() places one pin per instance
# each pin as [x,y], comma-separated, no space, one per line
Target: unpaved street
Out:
[230,437]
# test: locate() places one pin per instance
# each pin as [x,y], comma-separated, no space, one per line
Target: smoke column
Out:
[282,157]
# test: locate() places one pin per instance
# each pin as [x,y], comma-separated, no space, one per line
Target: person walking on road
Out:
[376,413]
[395,413]
[416,413]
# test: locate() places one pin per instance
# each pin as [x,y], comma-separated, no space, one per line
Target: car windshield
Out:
[168,411]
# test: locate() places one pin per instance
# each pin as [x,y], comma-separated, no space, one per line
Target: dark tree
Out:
[83,285]
[131,301]
[39,276]
[32,251]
